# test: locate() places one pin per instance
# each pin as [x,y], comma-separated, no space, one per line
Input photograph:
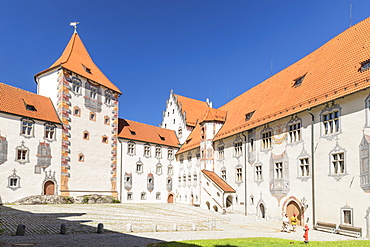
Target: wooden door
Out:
[293,208]
[49,188]
[170,198]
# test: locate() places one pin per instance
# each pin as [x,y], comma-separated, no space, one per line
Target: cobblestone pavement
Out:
[43,225]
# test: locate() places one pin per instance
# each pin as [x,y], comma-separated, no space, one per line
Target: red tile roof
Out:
[218,181]
[146,133]
[214,115]
[15,100]
[76,58]
[330,72]
[193,108]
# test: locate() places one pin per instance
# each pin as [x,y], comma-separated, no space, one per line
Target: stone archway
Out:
[229,201]
[49,188]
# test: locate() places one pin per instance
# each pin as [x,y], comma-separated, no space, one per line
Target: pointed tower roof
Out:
[76,58]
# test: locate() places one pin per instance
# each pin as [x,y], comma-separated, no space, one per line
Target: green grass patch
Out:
[274,242]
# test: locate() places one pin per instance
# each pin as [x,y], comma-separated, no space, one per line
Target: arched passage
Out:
[293,208]
[49,188]
[170,198]
[262,211]
[229,201]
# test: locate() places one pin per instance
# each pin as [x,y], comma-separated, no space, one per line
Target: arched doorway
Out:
[170,198]
[229,201]
[262,211]
[293,208]
[49,188]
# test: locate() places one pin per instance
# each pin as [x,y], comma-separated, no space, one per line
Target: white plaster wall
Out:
[94,174]
[139,180]
[47,85]
[31,183]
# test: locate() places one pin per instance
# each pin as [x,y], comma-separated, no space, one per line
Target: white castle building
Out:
[299,142]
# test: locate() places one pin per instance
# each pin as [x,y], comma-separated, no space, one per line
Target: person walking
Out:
[285,223]
[294,222]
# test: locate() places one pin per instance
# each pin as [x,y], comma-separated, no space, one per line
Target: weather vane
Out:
[74,24]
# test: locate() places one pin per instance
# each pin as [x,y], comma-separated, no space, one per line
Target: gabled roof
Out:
[330,72]
[193,108]
[16,101]
[214,115]
[136,131]
[218,181]
[76,58]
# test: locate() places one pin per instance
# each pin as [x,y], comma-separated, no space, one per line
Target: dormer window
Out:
[298,81]
[132,132]
[365,65]
[249,115]
[86,69]
[30,108]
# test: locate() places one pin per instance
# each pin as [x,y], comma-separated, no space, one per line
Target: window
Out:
[304,167]
[189,157]
[202,133]
[158,169]
[3,149]
[221,152]
[338,163]
[158,152]
[298,81]
[92,116]
[86,135]
[223,173]
[294,129]
[49,131]
[174,121]
[184,180]
[279,170]
[108,98]
[14,181]
[143,196]
[189,180]
[104,139]
[170,153]
[266,139]
[239,174]
[249,115]
[93,92]
[169,170]
[86,69]
[131,148]
[106,120]
[129,196]
[251,145]
[195,176]
[139,167]
[238,147]
[365,66]
[76,111]
[81,157]
[76,85]
[258,171]
[347,216]
[147,150]
[27,127]
[22,154]
[331,122]
[158,196]
[181,159]
[179,132]
[30,107]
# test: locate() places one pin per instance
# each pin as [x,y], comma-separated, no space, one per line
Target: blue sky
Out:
[201,49]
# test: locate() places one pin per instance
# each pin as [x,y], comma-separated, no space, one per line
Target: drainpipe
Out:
[313,167]
[245,174]
[120,177]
